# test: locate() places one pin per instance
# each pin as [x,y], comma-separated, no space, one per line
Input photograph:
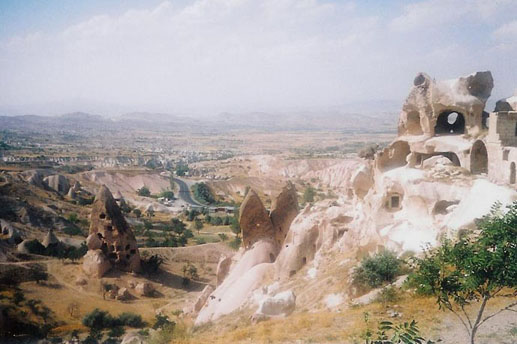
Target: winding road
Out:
[184,192]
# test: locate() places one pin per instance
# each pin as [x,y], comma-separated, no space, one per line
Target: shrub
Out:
[308,194]
[223,236]
[387,295]
[73,230]
[167,194]
[131,320]
[144,191]
[137,212]
[235,243]
[98,320]
[375,271]
[162,321]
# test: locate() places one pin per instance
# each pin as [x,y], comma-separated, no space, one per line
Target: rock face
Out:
[201,300]
[95,263]
[118,243]
[58,183]
[283,211]
[254,220]
[222,269]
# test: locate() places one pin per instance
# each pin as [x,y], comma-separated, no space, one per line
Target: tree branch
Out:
[507,308]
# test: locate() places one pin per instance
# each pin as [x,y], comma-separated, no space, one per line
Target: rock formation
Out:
[254,220]
[58,183]
[283,211]
[50,239]
[282,304]
[261,243]
[116,240]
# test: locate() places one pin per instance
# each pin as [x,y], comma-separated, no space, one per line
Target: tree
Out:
[137,212]
[167,194]
[389,333]
[191,216]
[202,193]
[474,269]
[198,224]
[235,226]
[178,226]
[308,194]
[144,191]
[181,169]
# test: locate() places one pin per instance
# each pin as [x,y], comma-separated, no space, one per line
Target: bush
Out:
[137,212]
[387,295]
[308,194]
[223,236]
[368,152]
[131,320]
[162,321]
[375,271]
[144,191]
[98,320]
[152,264]
[167,194]
[73,230]
[235,243]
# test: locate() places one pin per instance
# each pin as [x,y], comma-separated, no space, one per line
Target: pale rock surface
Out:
[95,263]
[282,304]
[144,289]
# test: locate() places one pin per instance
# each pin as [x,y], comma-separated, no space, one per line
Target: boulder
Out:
[223,266]
[133,338]
[58,183]
[254,220]
[22,247]
[93,242]
[282,304]
[95,263]
[123,294]
[283,211]
[118,242]
[144,289]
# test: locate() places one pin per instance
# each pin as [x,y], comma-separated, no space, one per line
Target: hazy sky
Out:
[235,55]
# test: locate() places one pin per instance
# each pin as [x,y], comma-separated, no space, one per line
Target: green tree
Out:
[202,193]
[167,194]
[198,224]
[178,226]
[181,169]
[137,212]
[474,269]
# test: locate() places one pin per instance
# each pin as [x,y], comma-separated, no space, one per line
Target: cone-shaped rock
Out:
[118,242]
[50,239]
[254,220]
[283,211]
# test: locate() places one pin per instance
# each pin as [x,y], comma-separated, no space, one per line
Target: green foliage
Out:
[308,194]
[181,169]
[137,212]
[202,193]
[167,194]
[216,221]
[389,333]
[387,295]
[235,243]
[162,321]
[226,221]
[223,236]
[148,225]
[72,230]
[475,268]
[178,226]
[98,320]
[198,224]
[144,191]
[73,217]
[190,271]
[235,226]
[191,215]
[377,270]
[200,241]
[116,332]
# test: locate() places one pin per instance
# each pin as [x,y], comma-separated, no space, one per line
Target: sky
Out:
[209,56]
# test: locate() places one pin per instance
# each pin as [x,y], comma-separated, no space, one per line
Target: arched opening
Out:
[478,158]
[394,156]
[413,123]
[450,123]
[512,173]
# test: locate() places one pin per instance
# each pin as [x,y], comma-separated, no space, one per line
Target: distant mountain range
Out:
[328,119]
